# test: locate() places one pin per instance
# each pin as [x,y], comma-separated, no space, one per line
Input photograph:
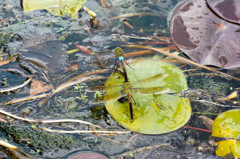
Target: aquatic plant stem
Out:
[189,127]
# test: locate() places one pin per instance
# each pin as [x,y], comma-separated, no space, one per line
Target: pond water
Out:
[38,41]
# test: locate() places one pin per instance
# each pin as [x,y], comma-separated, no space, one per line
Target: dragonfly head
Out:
[118,52]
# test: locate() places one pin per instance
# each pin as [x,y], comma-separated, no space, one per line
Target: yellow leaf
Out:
[56,7]
[228,146]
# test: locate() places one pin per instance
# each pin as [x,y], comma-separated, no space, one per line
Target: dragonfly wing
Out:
[151,79]
[150,90]
[104,88]
[114,95]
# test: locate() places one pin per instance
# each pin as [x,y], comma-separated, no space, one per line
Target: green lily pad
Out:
[153,113]
[56,7]
[227,125]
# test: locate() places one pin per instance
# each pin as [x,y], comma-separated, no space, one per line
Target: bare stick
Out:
[180,58]
[47,121]
[15,87]
[85,131]
[214,103]
[58,89]
[68,84]
[24,99]
[8,145]
[135,14]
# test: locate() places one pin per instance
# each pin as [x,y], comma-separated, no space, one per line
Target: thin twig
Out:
[28,98]
[69,84]
[15,87]
[89,73]
[47,121]
[180,58]
[205,74]
[105,138]
[132,36]
[8,145]
[3,20]
[85,131]
[217,104]
[58,89]
[135,14]
[86,28]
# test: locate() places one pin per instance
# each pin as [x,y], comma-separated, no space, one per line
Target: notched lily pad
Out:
[153,113]
[227,125]
[205,37]
[227,9]
[56,7]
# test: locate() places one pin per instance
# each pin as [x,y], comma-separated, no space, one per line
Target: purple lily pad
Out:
[227,9]
[205,37]
[87,155]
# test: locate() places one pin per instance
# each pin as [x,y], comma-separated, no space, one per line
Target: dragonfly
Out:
[128,88]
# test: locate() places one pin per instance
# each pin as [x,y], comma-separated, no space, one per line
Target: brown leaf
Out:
[37,87]
[207,122]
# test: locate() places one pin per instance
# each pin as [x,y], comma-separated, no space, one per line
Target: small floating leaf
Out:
[227,124]
[153,114]
[37,87]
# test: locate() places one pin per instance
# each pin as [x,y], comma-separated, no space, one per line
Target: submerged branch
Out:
[24,99]
[15,87]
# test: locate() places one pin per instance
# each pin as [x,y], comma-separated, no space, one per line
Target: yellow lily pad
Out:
[56,7]
[154,113]
[228,146]
[227,124]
